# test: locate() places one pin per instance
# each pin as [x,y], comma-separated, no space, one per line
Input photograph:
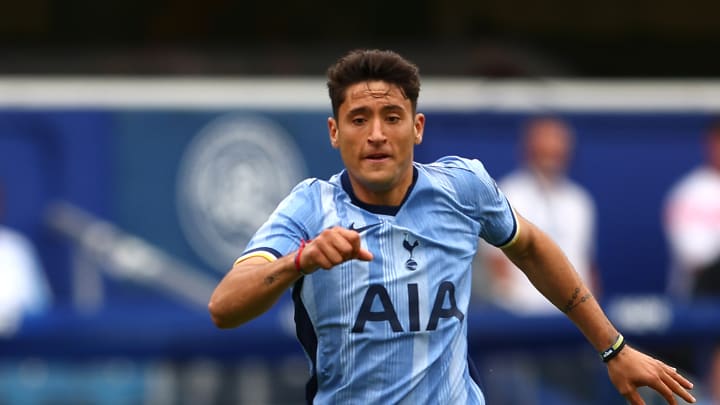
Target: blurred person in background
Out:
[692,226]
[379,259]
[24,290]
[542,191]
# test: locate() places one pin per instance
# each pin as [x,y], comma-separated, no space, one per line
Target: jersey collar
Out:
[376,209]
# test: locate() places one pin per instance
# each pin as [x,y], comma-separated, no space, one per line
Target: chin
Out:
[377,183]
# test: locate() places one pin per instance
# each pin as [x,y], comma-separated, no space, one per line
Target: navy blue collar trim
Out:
[376,209]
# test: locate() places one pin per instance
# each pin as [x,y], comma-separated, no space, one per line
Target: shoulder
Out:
[701,177]
[458,168]
[313,195]
[689,184]
[12,240]
[466,180]
[310,183]
[459,171]
[11,236]
[519,178]
[313,185]
[456,163]
[578,192]
[304,195]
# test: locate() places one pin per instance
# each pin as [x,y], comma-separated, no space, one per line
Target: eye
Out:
[393,119]
[359,121]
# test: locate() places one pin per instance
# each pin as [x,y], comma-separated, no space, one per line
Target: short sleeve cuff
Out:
[513,235]
[268,254]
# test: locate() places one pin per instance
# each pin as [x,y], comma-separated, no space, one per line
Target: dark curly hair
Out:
[372,64]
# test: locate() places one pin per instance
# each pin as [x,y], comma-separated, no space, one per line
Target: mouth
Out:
[377,157]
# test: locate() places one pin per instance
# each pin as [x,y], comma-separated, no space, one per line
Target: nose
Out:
[377,135]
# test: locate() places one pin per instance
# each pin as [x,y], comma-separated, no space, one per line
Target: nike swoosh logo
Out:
[362,228]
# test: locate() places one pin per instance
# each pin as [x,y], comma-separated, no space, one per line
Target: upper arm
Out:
[522,239]
[251,260]
[528,242]
[255,257]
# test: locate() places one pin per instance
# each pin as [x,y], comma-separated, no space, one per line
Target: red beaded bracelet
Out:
[303,242]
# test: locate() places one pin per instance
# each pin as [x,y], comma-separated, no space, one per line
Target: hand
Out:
[332,247]
[631,369]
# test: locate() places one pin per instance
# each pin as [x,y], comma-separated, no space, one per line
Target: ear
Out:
[419,128]
[333,132]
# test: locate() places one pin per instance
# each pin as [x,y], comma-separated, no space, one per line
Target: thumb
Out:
[364,255]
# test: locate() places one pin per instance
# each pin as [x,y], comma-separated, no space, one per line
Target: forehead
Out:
[374,92]
[549,131]
[549,126]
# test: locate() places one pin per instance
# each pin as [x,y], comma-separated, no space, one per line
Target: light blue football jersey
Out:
[392,330]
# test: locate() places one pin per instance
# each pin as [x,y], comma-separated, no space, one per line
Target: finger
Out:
[364,255]
[669,397]
[675,386]
[344,247]
[680,379]
[661,386]
[634,398]
[316,254]
[354,238]
[347,233]
[331,255]
[315,257]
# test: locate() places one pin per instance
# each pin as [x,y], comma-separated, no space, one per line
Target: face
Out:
[713,148]
[549,145]
[376,131]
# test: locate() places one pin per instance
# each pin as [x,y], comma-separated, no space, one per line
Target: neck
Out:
[381,202]
[392,196]
[546,180]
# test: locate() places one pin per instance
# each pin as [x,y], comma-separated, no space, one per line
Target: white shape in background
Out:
[641,314]
[231,177]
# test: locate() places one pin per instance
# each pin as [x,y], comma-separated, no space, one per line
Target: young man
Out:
[386,322]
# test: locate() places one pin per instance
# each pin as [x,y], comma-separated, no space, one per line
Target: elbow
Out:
[218,317]
[221,324]
[214,316]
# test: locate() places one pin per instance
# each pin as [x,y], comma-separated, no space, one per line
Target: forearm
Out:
[254,285]
[250,289]
[551,273]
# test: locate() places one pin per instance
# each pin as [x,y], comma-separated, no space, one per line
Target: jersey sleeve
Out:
[498,224]
[287,225]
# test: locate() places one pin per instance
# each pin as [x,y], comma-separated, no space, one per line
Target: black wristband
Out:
[612,351]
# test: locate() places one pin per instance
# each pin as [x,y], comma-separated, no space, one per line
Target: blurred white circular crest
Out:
[231,177]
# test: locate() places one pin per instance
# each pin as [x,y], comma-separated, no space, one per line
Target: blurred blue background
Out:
[123,166]
[125,328]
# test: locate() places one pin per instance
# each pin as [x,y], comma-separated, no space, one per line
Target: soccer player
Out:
[385,321]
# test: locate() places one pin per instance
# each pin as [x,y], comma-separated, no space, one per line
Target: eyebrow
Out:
[385,108]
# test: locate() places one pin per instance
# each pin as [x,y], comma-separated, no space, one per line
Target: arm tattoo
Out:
[574,301]
[271,278]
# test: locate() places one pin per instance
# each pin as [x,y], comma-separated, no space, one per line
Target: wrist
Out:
[615,349]
[298,257]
